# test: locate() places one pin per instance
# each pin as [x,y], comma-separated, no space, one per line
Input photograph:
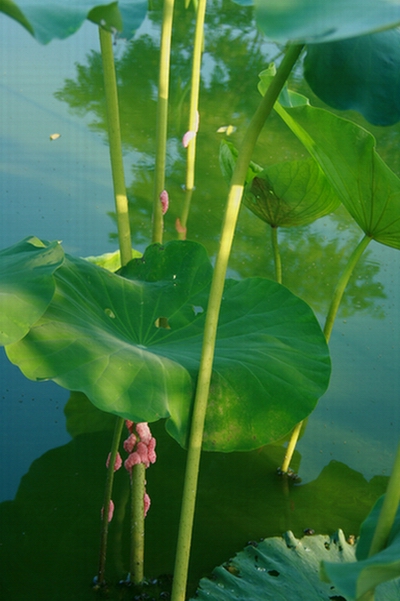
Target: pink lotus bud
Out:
[144,432]
[188,136]
[147,503]
[118,461]
[150,450]
[141,449]
[129,443]
[110,511]
[164,198]
[129,424]
[133,459]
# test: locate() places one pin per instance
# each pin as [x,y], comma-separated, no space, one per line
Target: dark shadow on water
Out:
[50,532]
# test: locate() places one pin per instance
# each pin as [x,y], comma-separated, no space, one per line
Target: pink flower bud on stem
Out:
[164,198]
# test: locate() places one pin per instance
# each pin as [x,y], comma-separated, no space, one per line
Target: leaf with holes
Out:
[285,568]
[132,344]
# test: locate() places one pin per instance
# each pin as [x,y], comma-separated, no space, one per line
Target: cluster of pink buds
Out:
[140,445]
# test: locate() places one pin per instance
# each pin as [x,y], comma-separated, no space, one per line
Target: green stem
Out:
[194,93]
[107,498]
[125,245]
[114,138]
[291,447]
[277,256]
[162,119]
[137,523]
[330,320]
[389,509]
[210,329]
[341,285]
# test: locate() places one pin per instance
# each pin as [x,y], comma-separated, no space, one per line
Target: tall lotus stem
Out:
[162,120]
[107,500]
[189,140]
[330,320]
[124,238]
[114,139]
[210,329]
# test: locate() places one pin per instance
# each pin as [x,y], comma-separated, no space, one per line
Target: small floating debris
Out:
[54,136]
[226,129]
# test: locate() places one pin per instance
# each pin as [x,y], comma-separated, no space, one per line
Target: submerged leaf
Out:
[26,285]
[361,74]
[132,344]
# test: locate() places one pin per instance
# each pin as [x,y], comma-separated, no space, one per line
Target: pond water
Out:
[52,468]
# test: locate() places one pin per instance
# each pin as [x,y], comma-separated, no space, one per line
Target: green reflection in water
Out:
[313,257]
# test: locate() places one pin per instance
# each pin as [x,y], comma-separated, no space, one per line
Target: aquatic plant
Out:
[163,337]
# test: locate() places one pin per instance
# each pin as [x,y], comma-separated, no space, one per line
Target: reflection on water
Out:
[64,191]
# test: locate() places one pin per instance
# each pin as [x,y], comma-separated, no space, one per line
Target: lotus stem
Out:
[277,255]
[193,112]
[114,139]
[107,499]
[330,320]
[389,509]
[138,482]
[210,329]
[125,245]
[162,120]
[341,285]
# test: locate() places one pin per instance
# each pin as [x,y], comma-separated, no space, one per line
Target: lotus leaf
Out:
[26,285]
[132,344]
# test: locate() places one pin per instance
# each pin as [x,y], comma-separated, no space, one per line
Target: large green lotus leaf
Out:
[48,19]
[355,579]
[346,152]
[101,336]
[283,568]
[26,285]
[362,74]
[291,194]
[313,21]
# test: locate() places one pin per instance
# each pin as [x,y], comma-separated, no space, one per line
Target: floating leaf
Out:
[361,74]
[356,578]
[346,153]
[133,346]
[312,21]
[285,568]
[48,19]
[26,285]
